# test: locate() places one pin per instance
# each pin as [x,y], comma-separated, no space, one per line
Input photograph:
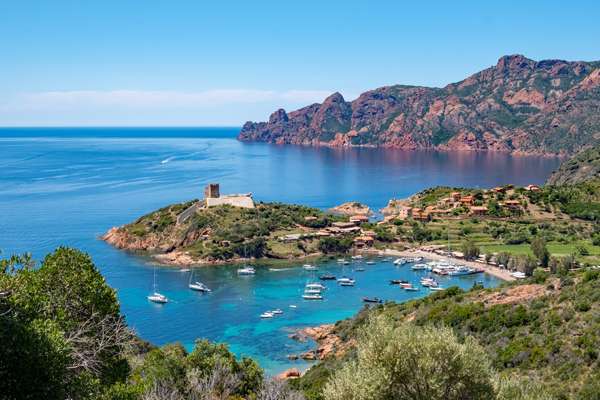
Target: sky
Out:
[221,63]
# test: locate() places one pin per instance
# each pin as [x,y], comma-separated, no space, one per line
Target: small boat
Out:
[370,262]
[293,306]
[309,267]
[246,271]
[158,298]
[277,311]
[406,285]
[411,289]
[346,281]
[315,286]
[312,291]
[400,261]
[346,262]
[372,300]
[518,275]
[359,269]
[357,257]
[419,267]
[199,287]
[184,270]
[397,281]
[266,314]
[315,296]
[327,277]
[429,282]
[341,260]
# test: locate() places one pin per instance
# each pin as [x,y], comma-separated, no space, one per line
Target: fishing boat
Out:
[266,314]
[308,296]
[327,277]
[420,267]
[406,285]
[400,261]
[346,281]
[247,270]
[277,311]
[397,281]
[372,300]
[309,267]
[157,297]
[411,289]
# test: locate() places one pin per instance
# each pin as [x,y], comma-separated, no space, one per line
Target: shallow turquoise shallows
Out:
[68,186]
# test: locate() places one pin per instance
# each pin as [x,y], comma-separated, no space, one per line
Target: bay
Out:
[68,186]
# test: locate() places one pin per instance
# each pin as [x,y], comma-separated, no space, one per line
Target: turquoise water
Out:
[68,186]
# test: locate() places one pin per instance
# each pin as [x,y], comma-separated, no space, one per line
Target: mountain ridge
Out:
[518,105]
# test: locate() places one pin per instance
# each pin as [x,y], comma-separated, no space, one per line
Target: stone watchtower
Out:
[211,191]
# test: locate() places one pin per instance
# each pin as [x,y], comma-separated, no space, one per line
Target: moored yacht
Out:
[247,270]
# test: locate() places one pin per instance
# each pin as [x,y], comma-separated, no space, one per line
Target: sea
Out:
[68,186]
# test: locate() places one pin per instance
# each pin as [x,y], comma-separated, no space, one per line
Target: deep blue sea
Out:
[69,186]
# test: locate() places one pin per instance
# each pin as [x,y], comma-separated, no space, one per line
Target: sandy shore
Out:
[490,269]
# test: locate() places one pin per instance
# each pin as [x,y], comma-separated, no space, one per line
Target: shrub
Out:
[410,362]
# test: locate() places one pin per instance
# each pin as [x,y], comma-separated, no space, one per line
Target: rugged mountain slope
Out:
[518,105]
[582,167]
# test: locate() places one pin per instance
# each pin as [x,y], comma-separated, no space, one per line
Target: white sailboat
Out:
[157,297]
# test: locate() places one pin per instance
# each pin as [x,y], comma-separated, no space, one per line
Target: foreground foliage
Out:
[545,330]
[62,337]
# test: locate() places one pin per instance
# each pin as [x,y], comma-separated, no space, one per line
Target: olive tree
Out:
[412,362]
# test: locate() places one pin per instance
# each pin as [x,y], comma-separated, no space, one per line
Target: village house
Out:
[359,219]
[467,200]
[478,210]
[498,189]
[342,225]
[511,204]
[455,196]
[363,241]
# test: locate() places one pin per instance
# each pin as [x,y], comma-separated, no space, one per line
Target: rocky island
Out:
[518,105]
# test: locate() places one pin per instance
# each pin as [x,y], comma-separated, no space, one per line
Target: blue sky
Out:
[118,62]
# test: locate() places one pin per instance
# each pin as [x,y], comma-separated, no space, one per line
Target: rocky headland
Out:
[518,105]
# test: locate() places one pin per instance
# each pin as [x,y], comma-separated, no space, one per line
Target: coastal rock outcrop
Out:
[519,105]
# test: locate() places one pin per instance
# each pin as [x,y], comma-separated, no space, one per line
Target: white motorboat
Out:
[309,267]
[312,291]
[315,296]
[199,287]
[346,281]
[370,262]
[266,314]
[357,257]
[341,260]
[315,286]
[277,311]
[246,271]
[420,267]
